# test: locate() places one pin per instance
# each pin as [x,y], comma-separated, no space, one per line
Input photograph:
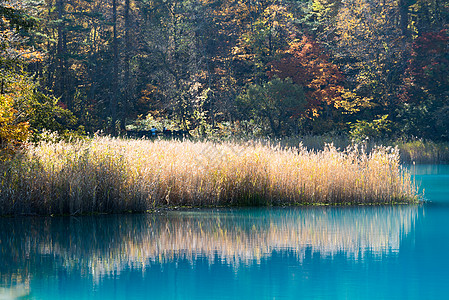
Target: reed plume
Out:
[108,175]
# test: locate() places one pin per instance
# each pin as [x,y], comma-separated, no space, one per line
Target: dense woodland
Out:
[364,68]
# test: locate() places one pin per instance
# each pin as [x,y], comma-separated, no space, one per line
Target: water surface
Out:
[389,252]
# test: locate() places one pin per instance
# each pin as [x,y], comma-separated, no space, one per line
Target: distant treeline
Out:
[376,69]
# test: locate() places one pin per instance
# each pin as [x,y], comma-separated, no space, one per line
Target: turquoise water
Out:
[366,252]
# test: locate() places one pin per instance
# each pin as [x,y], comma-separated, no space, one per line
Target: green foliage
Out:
[424,152]
[17,17]
[14,126]
[186,62]
[12,131]
[277,105]
[24,111]
[375,129]
[46,114]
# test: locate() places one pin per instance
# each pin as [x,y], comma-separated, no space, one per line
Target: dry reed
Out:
[411,151]
[424,152]
[113,175]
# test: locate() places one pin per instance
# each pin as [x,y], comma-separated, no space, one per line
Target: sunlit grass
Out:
[411,151]
[113,175]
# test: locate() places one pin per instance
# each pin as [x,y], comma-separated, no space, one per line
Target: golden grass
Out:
[411,151]
[114,175]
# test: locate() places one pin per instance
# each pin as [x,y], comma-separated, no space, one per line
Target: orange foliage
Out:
[307,65]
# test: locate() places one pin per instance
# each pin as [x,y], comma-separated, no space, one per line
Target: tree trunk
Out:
[126,94]
[403,13]
[115,65]
[60,54]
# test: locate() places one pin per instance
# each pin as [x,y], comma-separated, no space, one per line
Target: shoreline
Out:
[161,210]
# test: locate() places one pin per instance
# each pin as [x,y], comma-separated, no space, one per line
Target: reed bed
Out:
[411,151]
[424,152]
[107,175]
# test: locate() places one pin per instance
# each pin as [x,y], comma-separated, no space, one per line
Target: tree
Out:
[24,109]
[174,62]
[422,16]
[306,63]
[44,114]
[15,87]
[15,24]
[268,31]
[115,67]
[426,87]
[277,105]
[13,128]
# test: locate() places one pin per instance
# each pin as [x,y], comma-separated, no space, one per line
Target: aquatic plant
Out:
[105,175]
[424,151]
[410,150]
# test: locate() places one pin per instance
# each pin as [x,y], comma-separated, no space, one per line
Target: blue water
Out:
[363,252]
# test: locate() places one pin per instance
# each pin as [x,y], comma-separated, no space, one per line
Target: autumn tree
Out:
[308,65]
[267,32]
[422,16]
[15,87]
[74,71]
[14,128]
[373,50]
[112,61]
[24,109]
[426,87]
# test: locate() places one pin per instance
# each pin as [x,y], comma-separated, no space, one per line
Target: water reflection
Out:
[420,170]
[95,247]
[433,182]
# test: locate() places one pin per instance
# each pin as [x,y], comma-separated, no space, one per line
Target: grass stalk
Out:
[107,175]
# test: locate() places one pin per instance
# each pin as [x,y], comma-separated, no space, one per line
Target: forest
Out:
[360,68]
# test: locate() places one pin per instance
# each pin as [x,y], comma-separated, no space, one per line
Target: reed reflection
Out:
[106,245]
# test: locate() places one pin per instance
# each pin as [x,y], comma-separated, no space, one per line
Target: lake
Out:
[369,252]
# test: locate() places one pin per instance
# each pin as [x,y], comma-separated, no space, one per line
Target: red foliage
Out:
[62,105]
[306,63]
[429,65]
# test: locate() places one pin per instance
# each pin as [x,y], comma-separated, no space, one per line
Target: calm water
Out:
[283,253]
